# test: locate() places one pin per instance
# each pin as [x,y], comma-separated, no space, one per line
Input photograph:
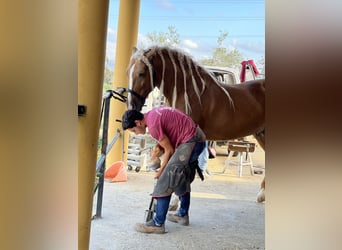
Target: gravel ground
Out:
[223,212]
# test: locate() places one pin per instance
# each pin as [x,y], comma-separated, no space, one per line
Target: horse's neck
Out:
[181,80]
[185,94]
[171,65]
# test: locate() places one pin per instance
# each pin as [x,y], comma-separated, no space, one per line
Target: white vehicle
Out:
[232,75]
[225,74]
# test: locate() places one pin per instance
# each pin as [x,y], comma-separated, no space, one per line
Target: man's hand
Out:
[168,151]
[158,174]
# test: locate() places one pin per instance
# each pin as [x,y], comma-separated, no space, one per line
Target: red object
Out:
[243,69]
[116,172]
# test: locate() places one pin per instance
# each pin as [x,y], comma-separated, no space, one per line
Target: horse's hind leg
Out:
[260,137]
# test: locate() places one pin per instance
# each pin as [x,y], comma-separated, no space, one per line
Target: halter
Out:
[140,97]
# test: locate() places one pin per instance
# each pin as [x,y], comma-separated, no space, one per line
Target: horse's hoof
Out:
[173,207]
[173,203]
[261,195]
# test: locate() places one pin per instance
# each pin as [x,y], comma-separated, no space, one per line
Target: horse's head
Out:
[140,75]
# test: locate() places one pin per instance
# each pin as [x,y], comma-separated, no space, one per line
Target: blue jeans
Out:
[163,202]
[161,210]
[199,146]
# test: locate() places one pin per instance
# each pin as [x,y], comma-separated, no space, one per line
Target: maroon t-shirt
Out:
[177,126]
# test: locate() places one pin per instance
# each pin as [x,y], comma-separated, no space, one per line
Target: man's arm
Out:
[168,151]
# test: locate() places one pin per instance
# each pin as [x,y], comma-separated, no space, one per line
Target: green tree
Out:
[222,56]
[108,77]
[261,62]
[169,38]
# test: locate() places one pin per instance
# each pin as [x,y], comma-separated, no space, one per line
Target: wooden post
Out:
[126,40]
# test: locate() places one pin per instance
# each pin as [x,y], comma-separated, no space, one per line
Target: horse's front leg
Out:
[261,193]
[260,137]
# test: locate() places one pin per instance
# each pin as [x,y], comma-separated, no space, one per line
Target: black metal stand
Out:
[105,148]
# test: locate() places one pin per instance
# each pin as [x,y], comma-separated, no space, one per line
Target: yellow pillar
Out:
[92,30]
[126,40]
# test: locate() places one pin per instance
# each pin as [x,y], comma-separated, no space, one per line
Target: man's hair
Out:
[129,118]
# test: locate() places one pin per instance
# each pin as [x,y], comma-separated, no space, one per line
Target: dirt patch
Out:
[223,213]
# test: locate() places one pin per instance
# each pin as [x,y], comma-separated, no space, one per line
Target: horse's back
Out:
[255,84]
[254,89]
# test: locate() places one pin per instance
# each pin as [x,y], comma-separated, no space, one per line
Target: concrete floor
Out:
[223,212]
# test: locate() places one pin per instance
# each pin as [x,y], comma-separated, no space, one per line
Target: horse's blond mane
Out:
[183,58]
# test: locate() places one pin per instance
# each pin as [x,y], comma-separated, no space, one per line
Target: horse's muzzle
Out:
[135,101]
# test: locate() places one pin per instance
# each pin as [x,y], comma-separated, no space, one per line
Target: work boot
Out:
[150,227]
[182,220]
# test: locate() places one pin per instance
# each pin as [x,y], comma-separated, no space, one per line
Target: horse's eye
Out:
[142,74]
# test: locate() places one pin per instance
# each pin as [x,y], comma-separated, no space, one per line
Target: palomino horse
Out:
[223,111]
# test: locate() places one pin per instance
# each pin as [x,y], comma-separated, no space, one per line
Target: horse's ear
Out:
[134,50]
[151,52]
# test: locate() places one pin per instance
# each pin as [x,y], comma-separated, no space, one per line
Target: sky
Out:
[199,23]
